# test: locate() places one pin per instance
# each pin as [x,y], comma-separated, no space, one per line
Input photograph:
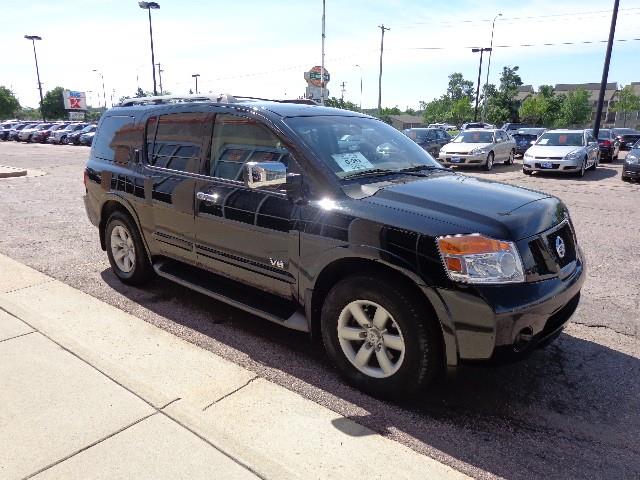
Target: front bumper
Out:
[536,165]
[462,158]
[631,170]
[505,322]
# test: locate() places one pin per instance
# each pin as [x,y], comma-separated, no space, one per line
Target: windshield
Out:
[561,139]
[604,135]
[87,129]
[349,145]
[474,137]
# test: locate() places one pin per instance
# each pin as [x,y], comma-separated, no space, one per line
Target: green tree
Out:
[459,88]
[575,110]
[436,111]
[502,104]
[626,102]
[9,104]
[460,111]
[53,104]
[343,104]
[533,110]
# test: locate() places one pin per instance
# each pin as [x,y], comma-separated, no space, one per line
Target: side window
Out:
[174,141]
[237,140]
[114,138]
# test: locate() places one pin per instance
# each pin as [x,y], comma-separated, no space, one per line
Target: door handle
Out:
[207,197]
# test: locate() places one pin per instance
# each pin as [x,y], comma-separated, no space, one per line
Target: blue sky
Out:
[262,48]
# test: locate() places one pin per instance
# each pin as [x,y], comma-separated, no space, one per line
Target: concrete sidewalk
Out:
[88,391]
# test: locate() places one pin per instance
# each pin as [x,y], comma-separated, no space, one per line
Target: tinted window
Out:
[237,140]
[105,143]
[474,137]
[561,139]
[174,141]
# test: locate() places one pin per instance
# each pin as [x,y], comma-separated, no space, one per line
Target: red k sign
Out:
[74,103]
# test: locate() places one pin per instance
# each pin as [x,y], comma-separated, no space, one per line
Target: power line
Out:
[524,45]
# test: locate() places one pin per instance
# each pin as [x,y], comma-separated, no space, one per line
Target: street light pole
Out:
[104,95]
[383,29]
[486,83]
[151,6]
[196,75]
[160,78]
[33,39]
[605,70]
[322,60]
[360,86]
[476,50]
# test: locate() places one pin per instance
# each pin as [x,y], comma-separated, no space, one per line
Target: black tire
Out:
[63,140]
[580,173]
[142,271]
[489,165]
[511,159]
[423,359]
[527,172]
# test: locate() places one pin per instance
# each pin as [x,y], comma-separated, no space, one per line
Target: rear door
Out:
[174,146]
[244,234]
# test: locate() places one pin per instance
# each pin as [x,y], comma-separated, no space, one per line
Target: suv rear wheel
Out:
[126,252]
[379,338]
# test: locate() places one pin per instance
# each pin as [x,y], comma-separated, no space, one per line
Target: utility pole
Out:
[382,29]
[160,75]
[196,75]
[322,63]
[476,50]
[343,90]
[33,39]
[605,70]
[486,83]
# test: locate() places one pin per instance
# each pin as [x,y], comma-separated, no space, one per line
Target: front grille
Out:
[548,158]
[566,245]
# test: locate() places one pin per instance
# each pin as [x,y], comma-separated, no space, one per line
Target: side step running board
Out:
[258,304]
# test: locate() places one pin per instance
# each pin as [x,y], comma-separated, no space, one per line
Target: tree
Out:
[9,104]
[436,111]
[459,87]
[341,103]
[533,110]
[502,104]
[627,102]
[575,110]
[460,111]
[53,104]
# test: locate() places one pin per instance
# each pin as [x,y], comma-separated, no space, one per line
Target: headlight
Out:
[631,159]
[576,154]
[527,155]
[479,151]
[478,259]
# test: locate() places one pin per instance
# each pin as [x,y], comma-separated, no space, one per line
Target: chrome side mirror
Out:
[264,174]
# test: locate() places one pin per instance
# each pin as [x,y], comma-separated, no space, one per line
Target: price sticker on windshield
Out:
[352,161]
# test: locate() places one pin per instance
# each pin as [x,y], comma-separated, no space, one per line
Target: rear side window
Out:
[114,139]
[174,141]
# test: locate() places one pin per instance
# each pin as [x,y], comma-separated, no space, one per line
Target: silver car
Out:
[566,151]
[481,147]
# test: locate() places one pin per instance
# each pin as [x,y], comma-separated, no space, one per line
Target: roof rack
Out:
[219,98]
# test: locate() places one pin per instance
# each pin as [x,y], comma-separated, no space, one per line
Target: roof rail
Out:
[219,98]
[158,99]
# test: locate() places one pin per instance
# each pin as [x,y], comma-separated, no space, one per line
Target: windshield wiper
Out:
[372,172]
[415,170]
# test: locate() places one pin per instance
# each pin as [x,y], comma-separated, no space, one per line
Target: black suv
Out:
[430,139]
[334,223]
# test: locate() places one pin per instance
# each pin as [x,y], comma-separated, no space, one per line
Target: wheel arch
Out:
[112,204]
[344,267]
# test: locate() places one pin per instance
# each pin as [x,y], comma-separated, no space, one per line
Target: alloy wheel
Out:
[123,249]
[371,339]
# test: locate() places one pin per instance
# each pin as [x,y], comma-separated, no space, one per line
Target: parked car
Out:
[627,137]
[470,125]
[525,137]
[74,138]
[402,266]
[5,130]
[13,133]
[447,127]
[60,136]
[479,147]
[26,133]
[631,166]
[513,126]
[41,136]
[87,138]
[430,139]
[608,144]
[566,151]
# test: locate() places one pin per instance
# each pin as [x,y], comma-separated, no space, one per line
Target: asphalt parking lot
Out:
[569,411]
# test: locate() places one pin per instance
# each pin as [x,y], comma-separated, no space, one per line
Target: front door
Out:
[241,233]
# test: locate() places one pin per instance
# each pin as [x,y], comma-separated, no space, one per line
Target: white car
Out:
[566,151]
[480,147]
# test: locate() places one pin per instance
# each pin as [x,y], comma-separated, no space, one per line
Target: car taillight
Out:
[606,143]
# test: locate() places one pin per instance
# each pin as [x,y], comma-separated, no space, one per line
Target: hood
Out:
[545,151]
[462,204]
[463,147]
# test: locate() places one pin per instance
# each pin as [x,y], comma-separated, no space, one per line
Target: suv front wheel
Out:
[380,338]
[126,252]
